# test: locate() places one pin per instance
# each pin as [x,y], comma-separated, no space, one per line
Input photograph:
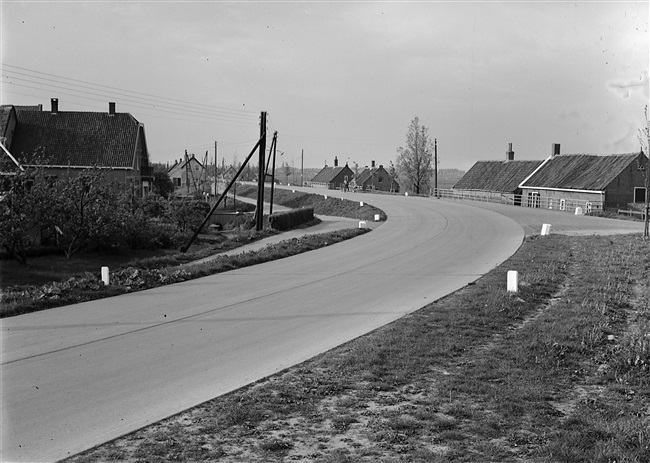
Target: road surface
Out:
[77,376]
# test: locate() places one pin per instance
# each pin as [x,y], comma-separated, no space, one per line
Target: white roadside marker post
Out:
[513,283]
[105,278]
[362,224]
[546,229]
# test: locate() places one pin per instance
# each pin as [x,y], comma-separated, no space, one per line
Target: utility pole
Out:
[216,184]
[435,165]
[187,174]
[259,213]
[274,144]
[302,167]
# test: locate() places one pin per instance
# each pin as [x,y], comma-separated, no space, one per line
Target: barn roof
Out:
[502,176]
[580,171]
[71,138]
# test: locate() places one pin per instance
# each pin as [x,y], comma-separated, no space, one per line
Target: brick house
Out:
[376,178]
[67,142]
[333,178]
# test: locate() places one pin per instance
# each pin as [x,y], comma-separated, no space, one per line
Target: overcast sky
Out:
[341,78]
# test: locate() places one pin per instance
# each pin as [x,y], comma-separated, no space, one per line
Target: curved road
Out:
[77,376]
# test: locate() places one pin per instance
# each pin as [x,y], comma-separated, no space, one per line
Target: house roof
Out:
[5,114]
[580,171]
[365,175]
[328,174]
[503,176]
[71,138]
[179,165]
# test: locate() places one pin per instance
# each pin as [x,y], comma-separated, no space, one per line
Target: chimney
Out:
[111,108]
[336,161]
[372,164]
[556,150]
[510,155]
[55,105]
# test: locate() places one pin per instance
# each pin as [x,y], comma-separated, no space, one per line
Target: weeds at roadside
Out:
[557,372]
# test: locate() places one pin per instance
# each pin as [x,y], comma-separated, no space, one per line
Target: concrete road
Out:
[77,376]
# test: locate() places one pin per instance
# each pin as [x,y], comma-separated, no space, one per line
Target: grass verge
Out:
[559,372]
[323,204]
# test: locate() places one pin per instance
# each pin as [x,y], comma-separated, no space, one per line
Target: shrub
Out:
[291,219]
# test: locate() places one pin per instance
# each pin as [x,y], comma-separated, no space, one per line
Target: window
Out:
[380,180]
[533,199]
[639,195]
[562,204]
[177,181]
[550,203]
[588,206]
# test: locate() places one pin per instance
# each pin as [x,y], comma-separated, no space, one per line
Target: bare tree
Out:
[415,160]
[644,140]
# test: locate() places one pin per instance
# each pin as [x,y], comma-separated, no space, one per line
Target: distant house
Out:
[590,181]
[332,178]
[68,142]
[490,179]
[189,176]
[376,178]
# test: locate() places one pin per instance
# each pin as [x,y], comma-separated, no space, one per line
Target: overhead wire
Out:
[247,114]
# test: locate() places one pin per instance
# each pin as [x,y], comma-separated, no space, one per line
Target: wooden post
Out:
[275,146]
[259,213]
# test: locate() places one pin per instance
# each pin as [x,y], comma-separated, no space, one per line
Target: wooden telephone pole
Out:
[259,212]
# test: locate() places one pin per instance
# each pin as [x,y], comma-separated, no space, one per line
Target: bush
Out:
[291,219]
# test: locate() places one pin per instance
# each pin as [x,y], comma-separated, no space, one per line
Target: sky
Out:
[341,79]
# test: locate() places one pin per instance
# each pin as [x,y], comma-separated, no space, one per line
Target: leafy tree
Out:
[162,183]
[89,212]
[25,208]
[415,160]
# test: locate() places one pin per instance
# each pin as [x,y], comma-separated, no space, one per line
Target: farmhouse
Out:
[67,142]
[588,181]
[376,178]
[496,179]
[333,177]
[561,182]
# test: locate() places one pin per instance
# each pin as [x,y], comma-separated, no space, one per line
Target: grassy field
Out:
[559,372]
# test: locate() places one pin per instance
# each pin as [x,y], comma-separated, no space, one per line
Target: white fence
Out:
[539,201]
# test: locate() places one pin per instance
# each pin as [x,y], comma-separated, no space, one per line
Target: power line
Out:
[134,94]
[183,112]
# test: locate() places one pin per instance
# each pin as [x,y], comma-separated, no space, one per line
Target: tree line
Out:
[82,212]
